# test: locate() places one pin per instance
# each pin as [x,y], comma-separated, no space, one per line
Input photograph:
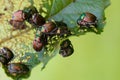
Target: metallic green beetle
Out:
[87,20]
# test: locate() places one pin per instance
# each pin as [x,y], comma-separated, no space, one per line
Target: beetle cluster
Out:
[44,29]
[29,14]
[45,33]
[49,30]
[12,69]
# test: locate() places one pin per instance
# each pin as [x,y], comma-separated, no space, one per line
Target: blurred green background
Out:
[96,57]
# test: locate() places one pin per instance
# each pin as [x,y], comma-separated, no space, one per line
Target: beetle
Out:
[33,17]
[18,25]
[66,48]
[46,29]
[29,11]
[37,44]
[86,20]
[49,27]
[40,41]
[17,20]
[17,69]
[6,54]
[37,19]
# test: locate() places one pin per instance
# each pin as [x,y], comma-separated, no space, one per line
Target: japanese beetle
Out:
[49,27]
[7,54]
[17,20]
[18,16]
[86,20]
[66,48]
[29,12]
[37,19]
[17,69]
[37,44]
[17,24]
[32,16]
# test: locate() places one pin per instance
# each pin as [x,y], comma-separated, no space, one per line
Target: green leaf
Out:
[106,3]
[69,10]
[55,6]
